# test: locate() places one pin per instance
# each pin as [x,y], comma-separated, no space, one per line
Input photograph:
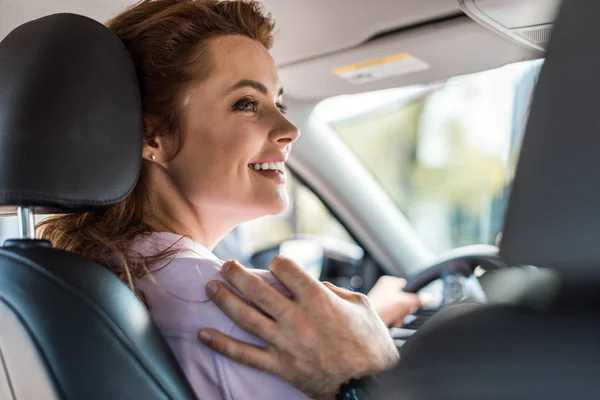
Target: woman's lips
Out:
[274,175]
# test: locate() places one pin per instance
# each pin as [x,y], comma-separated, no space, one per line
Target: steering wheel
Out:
[453,267]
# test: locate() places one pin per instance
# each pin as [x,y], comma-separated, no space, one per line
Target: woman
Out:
[215,144]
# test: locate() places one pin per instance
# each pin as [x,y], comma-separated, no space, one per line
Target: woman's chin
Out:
[265,204]
[277,205]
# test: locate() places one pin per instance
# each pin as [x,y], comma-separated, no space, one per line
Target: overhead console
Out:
[528,22]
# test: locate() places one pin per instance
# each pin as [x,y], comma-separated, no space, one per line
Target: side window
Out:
[9,228]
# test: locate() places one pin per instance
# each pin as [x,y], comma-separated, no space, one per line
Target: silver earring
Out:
[153,157]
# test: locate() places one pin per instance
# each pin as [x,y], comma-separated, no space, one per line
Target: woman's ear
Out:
[154,146]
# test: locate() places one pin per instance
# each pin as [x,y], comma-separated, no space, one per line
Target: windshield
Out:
[445,152]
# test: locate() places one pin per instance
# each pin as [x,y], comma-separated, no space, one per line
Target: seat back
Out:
[70,329]
[71,141]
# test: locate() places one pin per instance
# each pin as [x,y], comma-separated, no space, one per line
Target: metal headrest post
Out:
[26,223]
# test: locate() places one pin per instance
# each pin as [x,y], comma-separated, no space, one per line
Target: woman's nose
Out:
[286,133]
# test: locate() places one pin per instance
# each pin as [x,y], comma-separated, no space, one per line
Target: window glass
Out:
[445,152]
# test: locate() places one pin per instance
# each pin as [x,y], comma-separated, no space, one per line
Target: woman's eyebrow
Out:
[254,85]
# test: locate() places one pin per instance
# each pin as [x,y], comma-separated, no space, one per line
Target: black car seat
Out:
[70,141]
[547,345]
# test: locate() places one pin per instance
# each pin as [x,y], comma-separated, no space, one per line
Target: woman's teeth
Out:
[273,166]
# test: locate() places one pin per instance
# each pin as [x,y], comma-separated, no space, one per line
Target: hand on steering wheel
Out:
[391,303]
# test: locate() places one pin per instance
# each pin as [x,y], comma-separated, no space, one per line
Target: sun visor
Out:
[528,22]
[420,55]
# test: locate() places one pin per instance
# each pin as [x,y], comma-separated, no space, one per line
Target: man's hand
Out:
[317,339]
[391,303]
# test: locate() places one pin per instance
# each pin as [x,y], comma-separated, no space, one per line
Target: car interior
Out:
[515,315]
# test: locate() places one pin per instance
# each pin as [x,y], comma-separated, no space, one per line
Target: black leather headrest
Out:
[70,116]
[553,217]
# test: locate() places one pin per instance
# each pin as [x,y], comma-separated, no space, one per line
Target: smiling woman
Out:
[213,113]
[215,145]
[204,132]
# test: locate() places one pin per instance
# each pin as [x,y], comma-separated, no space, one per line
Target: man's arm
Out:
[317,340]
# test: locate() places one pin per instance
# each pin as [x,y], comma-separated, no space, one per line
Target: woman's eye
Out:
[282,107]
[246,105]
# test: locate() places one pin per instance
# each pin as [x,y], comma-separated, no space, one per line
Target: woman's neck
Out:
[171,211]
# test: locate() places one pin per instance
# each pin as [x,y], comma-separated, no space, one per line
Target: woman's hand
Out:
[391,303]
[317,339]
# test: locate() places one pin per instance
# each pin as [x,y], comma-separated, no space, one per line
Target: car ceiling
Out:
[316,36]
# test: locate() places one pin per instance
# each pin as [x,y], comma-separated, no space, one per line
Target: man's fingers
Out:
[255,289]
[348,295]
[244,353]
[340,292]
[401,283]
[415,300]
[392,282]
[426,298]
[246,316]
[293,277]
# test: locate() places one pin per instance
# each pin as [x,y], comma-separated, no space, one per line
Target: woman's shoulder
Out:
[174,287]
[175,292]
[176,296]
[181,279]
[185,278]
